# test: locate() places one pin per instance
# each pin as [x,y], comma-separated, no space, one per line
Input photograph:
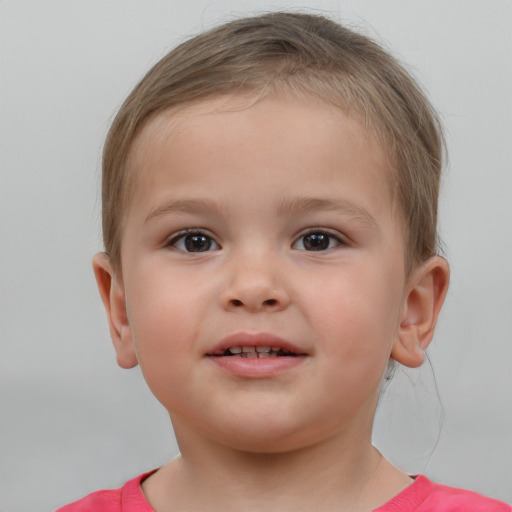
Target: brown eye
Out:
[317,241]
[195,242]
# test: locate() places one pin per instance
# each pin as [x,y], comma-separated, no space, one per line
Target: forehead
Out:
[247,134]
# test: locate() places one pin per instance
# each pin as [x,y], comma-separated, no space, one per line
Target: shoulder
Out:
[425,496]
[128,498]
[450,499]
[99,501]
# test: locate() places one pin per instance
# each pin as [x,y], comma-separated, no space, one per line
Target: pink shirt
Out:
[421,496]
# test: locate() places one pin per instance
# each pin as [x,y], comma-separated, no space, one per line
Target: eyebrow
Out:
[340,205]
[286,206]
[183,206]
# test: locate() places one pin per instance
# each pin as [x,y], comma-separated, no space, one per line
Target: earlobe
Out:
[112,293]
[425,295]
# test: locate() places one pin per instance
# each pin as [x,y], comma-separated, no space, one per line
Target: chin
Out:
[272,436]
[260,429]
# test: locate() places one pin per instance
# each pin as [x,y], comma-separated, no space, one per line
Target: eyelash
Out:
[181,239]
[323,232]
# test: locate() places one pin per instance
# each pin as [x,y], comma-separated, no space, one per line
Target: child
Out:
[269,217]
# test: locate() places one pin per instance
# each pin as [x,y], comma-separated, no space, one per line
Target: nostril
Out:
[269,302]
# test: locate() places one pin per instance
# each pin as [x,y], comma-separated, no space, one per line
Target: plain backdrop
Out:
[71,421]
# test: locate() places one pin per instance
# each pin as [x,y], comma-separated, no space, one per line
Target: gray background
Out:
[71,421]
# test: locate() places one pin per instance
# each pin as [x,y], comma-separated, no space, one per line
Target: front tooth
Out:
[235,350]
[248,349]
[264,354]
[263,349]
[276,349]
[251,355]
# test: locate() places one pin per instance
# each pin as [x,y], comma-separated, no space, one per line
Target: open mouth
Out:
[256,352]
[239,355]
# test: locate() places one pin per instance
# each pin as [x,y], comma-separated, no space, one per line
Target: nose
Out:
[253,286]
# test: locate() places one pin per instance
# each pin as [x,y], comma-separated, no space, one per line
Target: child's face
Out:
[265,226]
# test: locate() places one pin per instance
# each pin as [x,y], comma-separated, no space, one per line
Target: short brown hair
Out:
[291,53]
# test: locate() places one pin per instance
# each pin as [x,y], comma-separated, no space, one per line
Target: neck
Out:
[340,473]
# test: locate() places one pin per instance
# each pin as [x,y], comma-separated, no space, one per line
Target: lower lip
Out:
[257,368]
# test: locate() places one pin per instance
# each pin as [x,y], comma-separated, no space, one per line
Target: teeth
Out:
[255,352]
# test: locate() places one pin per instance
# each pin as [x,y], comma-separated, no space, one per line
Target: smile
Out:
[255,345]
[256,355]
[256,352]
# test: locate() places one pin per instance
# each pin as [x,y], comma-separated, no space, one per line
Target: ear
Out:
[425,293]
[112,292]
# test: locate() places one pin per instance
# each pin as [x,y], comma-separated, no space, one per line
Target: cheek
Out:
[164,327]
[357,319]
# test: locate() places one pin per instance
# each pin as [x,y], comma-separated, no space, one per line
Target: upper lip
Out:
[256,339]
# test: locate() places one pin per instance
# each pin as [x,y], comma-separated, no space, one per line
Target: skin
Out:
[254,183]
